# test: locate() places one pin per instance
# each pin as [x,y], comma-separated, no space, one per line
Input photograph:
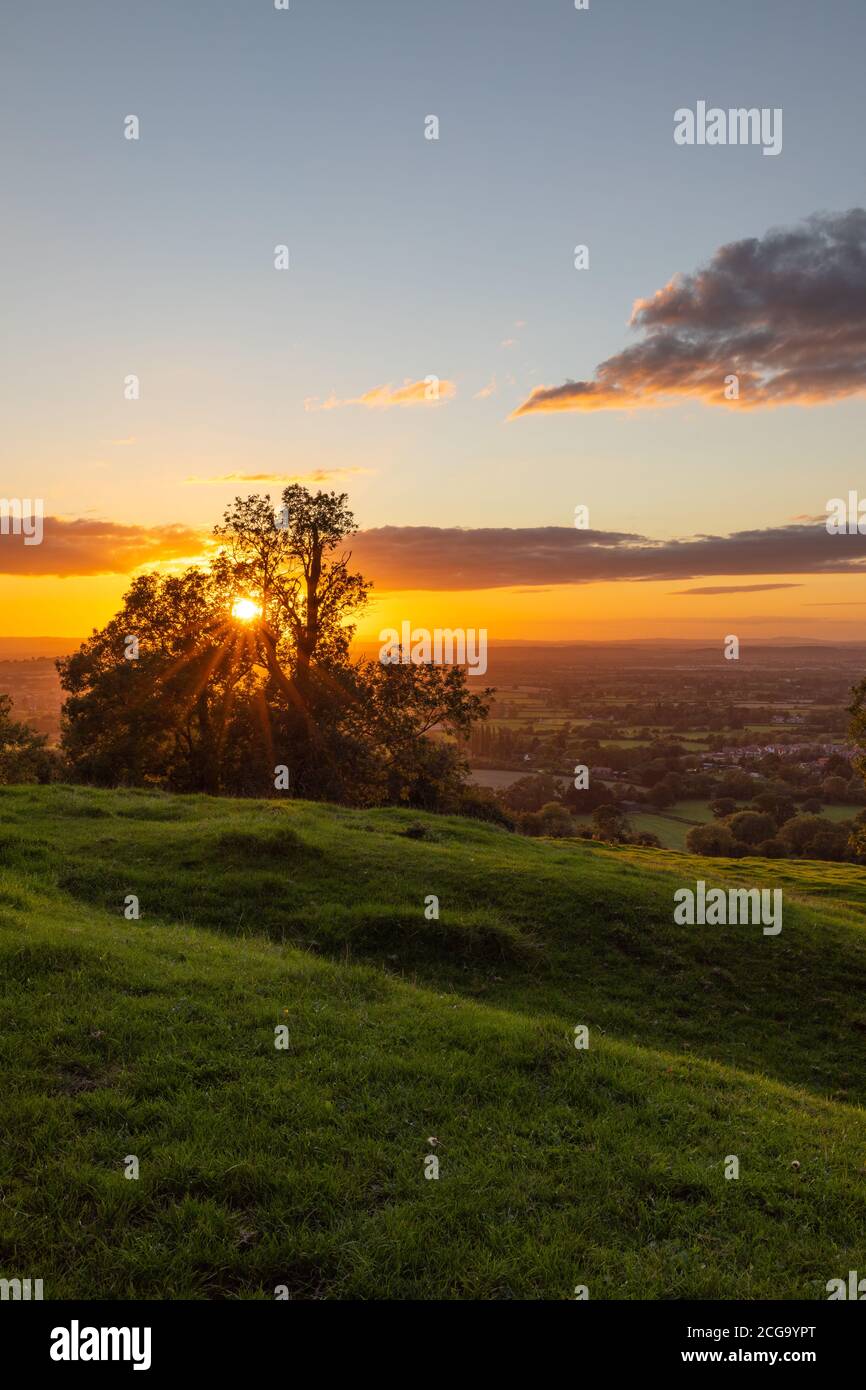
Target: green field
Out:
[840,812]
[671,825]
[304,1167]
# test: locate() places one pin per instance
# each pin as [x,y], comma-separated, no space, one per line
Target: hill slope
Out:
[304,1167]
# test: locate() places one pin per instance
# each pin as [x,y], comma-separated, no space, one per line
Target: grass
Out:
[836,811]
[304,1167]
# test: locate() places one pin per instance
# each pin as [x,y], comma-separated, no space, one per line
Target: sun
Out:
[245,611]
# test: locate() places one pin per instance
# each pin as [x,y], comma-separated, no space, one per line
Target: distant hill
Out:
[20,648]
[409,1038]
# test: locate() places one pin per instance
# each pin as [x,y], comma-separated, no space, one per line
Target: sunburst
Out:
[245,610]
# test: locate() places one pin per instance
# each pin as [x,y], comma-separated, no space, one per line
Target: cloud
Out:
[785,313]
[428,557]
[733,589]
[429,391]
[486,391]
[318,475]
[88,547]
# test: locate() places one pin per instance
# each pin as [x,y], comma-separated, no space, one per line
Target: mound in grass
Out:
[272,845]
[304,1165]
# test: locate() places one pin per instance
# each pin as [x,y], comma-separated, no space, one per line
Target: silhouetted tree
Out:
[23,755]
[207,702]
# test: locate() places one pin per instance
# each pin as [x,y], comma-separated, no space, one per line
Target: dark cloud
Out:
[427,557]
[79,547]
[785,313]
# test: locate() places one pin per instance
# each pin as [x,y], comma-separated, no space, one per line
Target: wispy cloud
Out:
[486,391]
[733,589]
[785,314]
[316,475]
[429,391]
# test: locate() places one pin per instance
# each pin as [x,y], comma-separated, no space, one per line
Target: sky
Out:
[454,259]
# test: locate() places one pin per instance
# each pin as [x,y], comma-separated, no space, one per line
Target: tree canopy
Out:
[213,679]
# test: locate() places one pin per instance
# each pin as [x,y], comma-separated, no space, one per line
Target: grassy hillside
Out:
[305,1167]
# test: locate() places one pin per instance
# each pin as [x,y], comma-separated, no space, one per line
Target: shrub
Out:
[713,839]
[772,849]
[751,826]
[556,820]
[482,804]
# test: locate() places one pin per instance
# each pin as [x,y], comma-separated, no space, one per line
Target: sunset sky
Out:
[451,258]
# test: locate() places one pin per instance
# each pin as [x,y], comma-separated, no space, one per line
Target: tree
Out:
[712,839]
[530,793]
[286,560]
[207,702]
[781,808]
[830,843]
[556,820]
[664,793]
[611,824]
[751,826]
[772,848]
[813,837]
[23,755]
[834,789]
[158,712]
[580,801]
[737,784]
